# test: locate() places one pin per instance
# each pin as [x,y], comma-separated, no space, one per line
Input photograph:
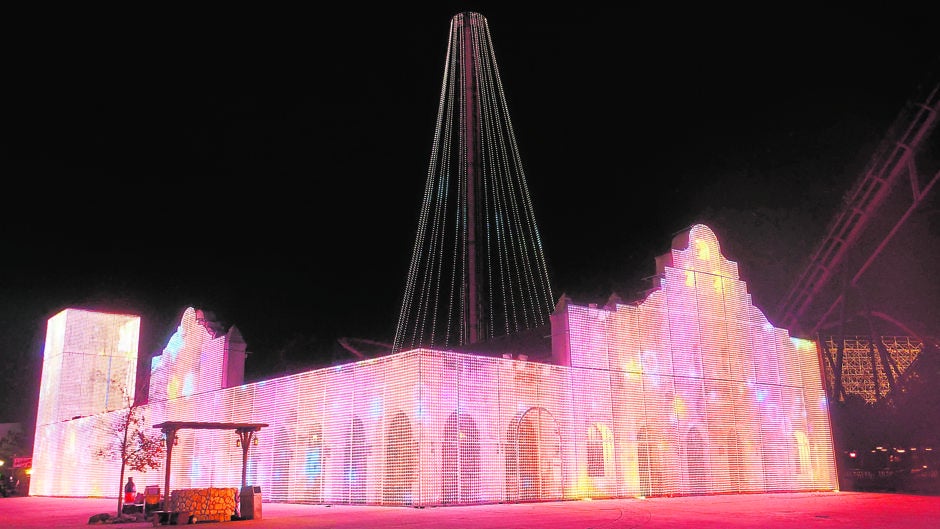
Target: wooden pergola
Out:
[245,432]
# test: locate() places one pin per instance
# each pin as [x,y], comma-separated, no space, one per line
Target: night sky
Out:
[268,164]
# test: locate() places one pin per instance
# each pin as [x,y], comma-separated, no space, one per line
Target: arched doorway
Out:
[313,463]
[280,468]
[696,470]
[600,451]
[399,461]
[649,466]
[802,458]
[460,461]
[354,464]
[533,457]
[735,462]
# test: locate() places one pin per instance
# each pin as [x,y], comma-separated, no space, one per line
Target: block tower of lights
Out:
[90,359]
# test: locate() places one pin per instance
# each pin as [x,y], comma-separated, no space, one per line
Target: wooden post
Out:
[169,434]
[245,436]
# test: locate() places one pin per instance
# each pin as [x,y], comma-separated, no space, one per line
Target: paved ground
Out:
[827,510]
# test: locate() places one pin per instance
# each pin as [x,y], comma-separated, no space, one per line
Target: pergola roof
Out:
[187,425]
[245,430]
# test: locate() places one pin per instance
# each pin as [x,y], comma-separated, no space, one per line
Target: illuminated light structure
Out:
[869,367]
[477,268]
[688,391]
[93,352]
[196,360]
[706,394]
[89,365]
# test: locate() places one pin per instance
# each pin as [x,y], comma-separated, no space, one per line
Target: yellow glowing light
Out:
[173,388]
[679,406]
[702,250]
[583,488]
[633,368]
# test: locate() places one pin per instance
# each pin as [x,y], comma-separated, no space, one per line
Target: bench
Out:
[139,504]
[131,508]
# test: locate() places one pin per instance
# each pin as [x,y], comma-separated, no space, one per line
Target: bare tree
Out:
[135,449]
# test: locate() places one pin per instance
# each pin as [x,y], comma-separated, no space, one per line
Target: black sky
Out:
[268,164]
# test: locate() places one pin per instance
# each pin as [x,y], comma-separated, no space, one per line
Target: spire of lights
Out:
[477,268]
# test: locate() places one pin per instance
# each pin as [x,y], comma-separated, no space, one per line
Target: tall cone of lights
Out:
[477,268]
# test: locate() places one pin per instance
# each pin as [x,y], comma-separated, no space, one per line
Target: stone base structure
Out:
[215,504]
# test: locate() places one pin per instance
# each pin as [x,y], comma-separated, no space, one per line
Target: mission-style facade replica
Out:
[690,390]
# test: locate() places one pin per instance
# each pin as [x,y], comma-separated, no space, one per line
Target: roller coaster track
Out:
[812,302]
[804,308]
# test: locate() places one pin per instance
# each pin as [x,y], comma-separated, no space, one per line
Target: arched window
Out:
[460,461]
[354,464]
[802,453]
[600,450]
[400,461]
[533,457]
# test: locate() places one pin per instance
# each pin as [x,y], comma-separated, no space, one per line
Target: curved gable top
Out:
[697,249]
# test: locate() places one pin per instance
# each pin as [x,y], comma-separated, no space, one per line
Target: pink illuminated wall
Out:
[197,359]
[689,391]
[705,394]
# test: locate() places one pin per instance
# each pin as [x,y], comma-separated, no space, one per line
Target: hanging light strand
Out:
[473,282]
